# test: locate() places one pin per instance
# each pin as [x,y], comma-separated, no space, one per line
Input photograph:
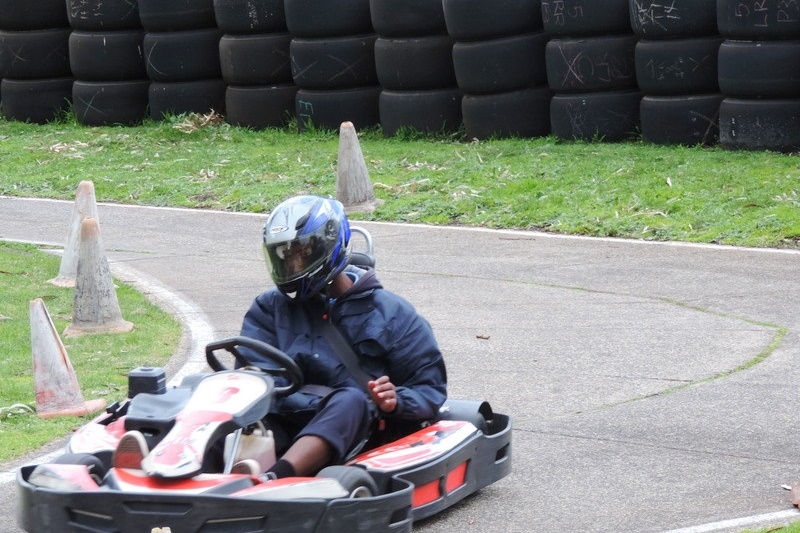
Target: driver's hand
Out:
[383,394]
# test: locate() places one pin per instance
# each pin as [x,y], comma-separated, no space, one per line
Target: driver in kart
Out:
[307,247]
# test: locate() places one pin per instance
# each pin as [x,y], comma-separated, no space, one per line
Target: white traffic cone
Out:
[96,308]
[353,186]
[55,383]
[85,207]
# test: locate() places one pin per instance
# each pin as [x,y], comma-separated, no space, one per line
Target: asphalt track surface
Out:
[627,366]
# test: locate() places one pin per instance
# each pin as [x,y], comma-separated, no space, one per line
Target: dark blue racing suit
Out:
[389,338]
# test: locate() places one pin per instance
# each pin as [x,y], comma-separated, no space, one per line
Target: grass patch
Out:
[633,190]
[101,362]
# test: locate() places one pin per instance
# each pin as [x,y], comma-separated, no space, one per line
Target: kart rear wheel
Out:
[356,481]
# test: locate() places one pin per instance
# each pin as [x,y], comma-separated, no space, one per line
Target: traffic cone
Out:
[353,186]
[55,383]
[96,308]
[85,207]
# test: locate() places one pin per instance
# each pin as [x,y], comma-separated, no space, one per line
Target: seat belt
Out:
[342,349]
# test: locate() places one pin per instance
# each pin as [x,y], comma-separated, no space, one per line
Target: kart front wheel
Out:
[355,480]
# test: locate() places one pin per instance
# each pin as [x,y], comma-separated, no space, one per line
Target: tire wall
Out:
[682,72]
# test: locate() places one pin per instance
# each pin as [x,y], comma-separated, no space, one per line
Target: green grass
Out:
[101,362]
[633,190]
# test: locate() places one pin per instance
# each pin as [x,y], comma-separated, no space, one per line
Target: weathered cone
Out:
[55,383]
[85,207]
[353,186]
[96,308]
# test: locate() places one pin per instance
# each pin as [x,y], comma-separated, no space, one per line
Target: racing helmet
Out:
[306,244]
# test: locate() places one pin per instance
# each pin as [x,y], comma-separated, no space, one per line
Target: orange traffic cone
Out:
[96,308]
[353,186]
[55,383]
[85,207]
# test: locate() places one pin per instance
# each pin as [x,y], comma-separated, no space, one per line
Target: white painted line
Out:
[737,524]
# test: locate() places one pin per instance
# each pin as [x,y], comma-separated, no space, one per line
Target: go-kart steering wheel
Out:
[286,365]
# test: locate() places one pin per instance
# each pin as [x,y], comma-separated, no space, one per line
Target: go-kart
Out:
[103,485]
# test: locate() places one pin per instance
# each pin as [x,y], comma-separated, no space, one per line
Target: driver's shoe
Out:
[131,449]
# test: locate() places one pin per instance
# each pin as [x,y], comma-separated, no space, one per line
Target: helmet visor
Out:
[302,256]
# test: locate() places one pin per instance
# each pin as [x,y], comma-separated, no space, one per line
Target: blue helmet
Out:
[306,244]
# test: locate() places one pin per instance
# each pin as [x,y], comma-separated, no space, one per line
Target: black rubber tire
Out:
[37,101]
[759,69]
[471,20]
[259,107]
[677,66]
[591,63]
[585,17]
[177,98]
[415,62]
[255,59]
[250,16]
[328,108]
[176,15]
[97,470]
[407,18]
[523,113]
[36,54]
[750,124]
[102,15]
[109,103]
[609,116]
[500,65]
[327,18]
[430,112]
[21,15]
[757,19]
[355,480]
[107,56]
[687,120]
[656,19]
[334,62]
[182,55]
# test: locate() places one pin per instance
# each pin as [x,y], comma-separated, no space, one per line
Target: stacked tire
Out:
[333,63]
[759,75]
[499,63]
[255,63]
[36,81]
[591,69]
[414,62]
[181,47]
[107,61]
[676,70]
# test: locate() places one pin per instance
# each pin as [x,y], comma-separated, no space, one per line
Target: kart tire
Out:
[328,108]
[177,98]
[176,15]
[37,101]
[109,103]
[656,19]
[591,63]
[585,17]
[327,18]
[36,54]
[498,65]
[430,112]
[523,113]
[183,55]
[334,62]
[97,470]
[472,20]
[21,15]
[609,116]
[737,19]
[677,66]
[355,480]
[259,107]
[107,56]
[102,15]
[415,62]
[759,69]
[250,16]
[685,120]
[407,18]
[255,59]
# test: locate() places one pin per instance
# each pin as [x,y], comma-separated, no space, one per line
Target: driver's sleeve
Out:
[259,324]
